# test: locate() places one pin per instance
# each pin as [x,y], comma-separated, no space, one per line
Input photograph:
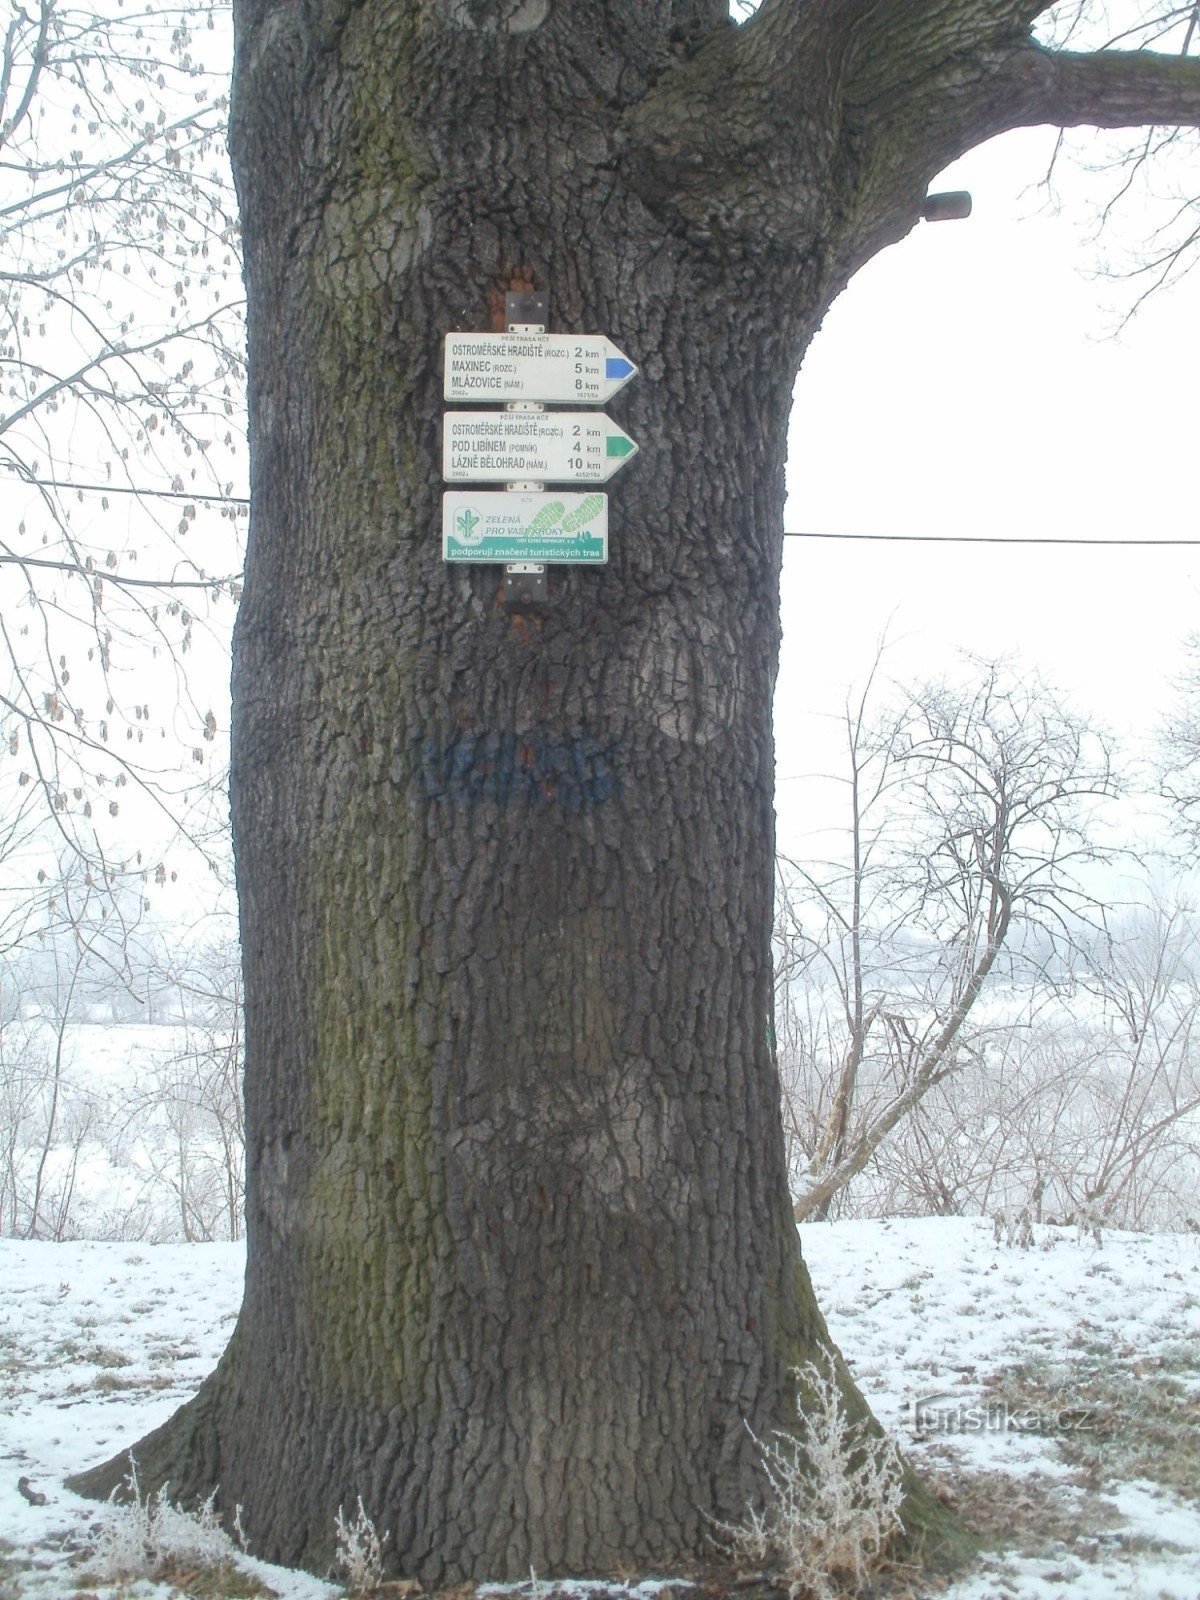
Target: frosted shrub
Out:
[359,1553]
[834,1498]
[140,1538]
[1013,1227]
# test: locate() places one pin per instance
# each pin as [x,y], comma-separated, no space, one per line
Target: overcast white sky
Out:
[965,384]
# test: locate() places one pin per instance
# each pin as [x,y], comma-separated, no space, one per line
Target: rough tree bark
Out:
[521,1262]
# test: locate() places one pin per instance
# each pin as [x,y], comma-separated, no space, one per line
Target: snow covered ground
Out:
[1052,1393]
[1055,1390]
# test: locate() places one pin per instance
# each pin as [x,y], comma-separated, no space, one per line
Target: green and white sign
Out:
[507,527]
[542,446]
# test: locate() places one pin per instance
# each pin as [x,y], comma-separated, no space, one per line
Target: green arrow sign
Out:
[542,446]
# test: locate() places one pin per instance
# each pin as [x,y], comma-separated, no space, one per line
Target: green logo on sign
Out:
[468,528]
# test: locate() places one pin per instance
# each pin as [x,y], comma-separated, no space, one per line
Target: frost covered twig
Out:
[834,1497]
[141,1537]
[359,1553]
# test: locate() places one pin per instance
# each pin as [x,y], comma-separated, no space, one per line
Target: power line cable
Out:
[984,538]
[789,533]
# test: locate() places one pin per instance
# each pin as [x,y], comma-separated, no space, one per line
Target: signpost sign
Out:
[539,446]
[583,369]
[527,447]
[505,526]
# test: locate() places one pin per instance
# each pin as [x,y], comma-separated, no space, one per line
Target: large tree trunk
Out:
[521,1263]
[521,1257]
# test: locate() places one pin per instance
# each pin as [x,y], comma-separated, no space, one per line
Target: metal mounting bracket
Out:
[525,586]
[526,311]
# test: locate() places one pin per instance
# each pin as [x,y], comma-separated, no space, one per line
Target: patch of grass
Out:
[1117,1417]
[111,1383]
[1092,1346]
[9,1589]
[101,1356]
[216,1580]
[187,1580]
[916,1279]
[1033,1514]
[834,1501]
[12,1353]
[118,1383]
[149,1538]
[168,1352]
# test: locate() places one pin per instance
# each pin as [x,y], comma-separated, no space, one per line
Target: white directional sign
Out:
[482,525]
[545,446]
[584,369]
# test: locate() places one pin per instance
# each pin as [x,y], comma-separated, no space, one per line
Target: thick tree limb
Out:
[818,127]
[1112,89]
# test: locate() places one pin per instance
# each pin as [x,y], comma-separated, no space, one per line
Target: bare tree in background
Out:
[1179,750]
[46,1113]
[20,819]
[121,379]
[969,814]
[1081,1104]
[1140,1164]
[197,1093]
[158,1113]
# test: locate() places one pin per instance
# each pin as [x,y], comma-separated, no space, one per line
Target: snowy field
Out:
[1052,1394]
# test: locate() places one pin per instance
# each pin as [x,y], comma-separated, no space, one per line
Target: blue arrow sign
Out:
[617,369]
[583,369]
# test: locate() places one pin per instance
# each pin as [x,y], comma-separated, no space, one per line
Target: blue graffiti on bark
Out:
[575,772]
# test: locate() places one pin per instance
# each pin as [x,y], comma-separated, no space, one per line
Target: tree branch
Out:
[818,127]
[1110,88]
